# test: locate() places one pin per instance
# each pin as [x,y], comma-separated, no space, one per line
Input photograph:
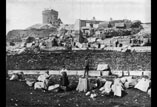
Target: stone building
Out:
[79,23]
[50,16]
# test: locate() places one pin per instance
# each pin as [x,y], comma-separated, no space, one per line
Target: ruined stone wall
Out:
[77,25]
[75,60]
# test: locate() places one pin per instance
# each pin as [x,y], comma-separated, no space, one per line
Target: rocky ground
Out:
[18,94]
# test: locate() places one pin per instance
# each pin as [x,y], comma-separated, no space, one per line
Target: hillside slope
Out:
[17,35]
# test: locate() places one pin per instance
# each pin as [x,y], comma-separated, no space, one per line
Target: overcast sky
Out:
[24,13]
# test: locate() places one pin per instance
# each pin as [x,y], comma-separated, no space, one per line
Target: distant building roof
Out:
[92,21]
[117,25]
[50,10]
[116,21]
[103,24]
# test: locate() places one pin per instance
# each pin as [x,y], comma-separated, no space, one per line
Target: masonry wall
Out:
[77,25]
[75,60]
[49,16]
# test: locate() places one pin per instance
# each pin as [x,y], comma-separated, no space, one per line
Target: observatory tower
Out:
[50,16]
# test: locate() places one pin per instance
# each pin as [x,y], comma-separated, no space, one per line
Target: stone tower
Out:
[50,16]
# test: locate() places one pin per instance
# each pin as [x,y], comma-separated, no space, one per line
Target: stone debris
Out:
[106,88]
[82,85]
[14,77]
[131,83]
[43,77]
[149,92]
[93,95]
[104,69]
[66,36]
[30,83]
[52,87]
[128,81]
[17,76]
[39,85]
[143,84]
[117,87]
[88,93]
[16,104]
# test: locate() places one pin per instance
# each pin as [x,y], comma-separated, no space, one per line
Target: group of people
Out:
[45,81]
[117,86]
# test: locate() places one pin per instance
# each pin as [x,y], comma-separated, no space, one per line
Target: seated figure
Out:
[64,82]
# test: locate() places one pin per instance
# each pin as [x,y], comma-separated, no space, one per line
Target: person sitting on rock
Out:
[64,82]
[44,78]
[46,81]
[21,76]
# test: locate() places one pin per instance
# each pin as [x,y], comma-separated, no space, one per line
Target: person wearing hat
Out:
[63,70]
[64,82]
[46,80]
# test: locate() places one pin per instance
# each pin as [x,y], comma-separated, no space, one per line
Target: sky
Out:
[21,14]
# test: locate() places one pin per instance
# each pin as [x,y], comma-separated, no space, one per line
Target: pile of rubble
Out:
[119,86]
[12,50]
[94,87]
[110,84]
[106,84]
[67,38]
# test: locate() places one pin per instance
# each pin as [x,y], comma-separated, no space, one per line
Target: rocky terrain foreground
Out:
[21,95]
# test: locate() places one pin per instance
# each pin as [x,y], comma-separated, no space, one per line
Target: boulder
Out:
[83,85]
[17,76]
[123,80]
[52,87]
[102,67]
[107,87]
[14,77]
[128,81]
[88,93]
[42,77]
[117,87]
[143,84]
[39,85]
[130,84]
[30,83]
[93,95]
